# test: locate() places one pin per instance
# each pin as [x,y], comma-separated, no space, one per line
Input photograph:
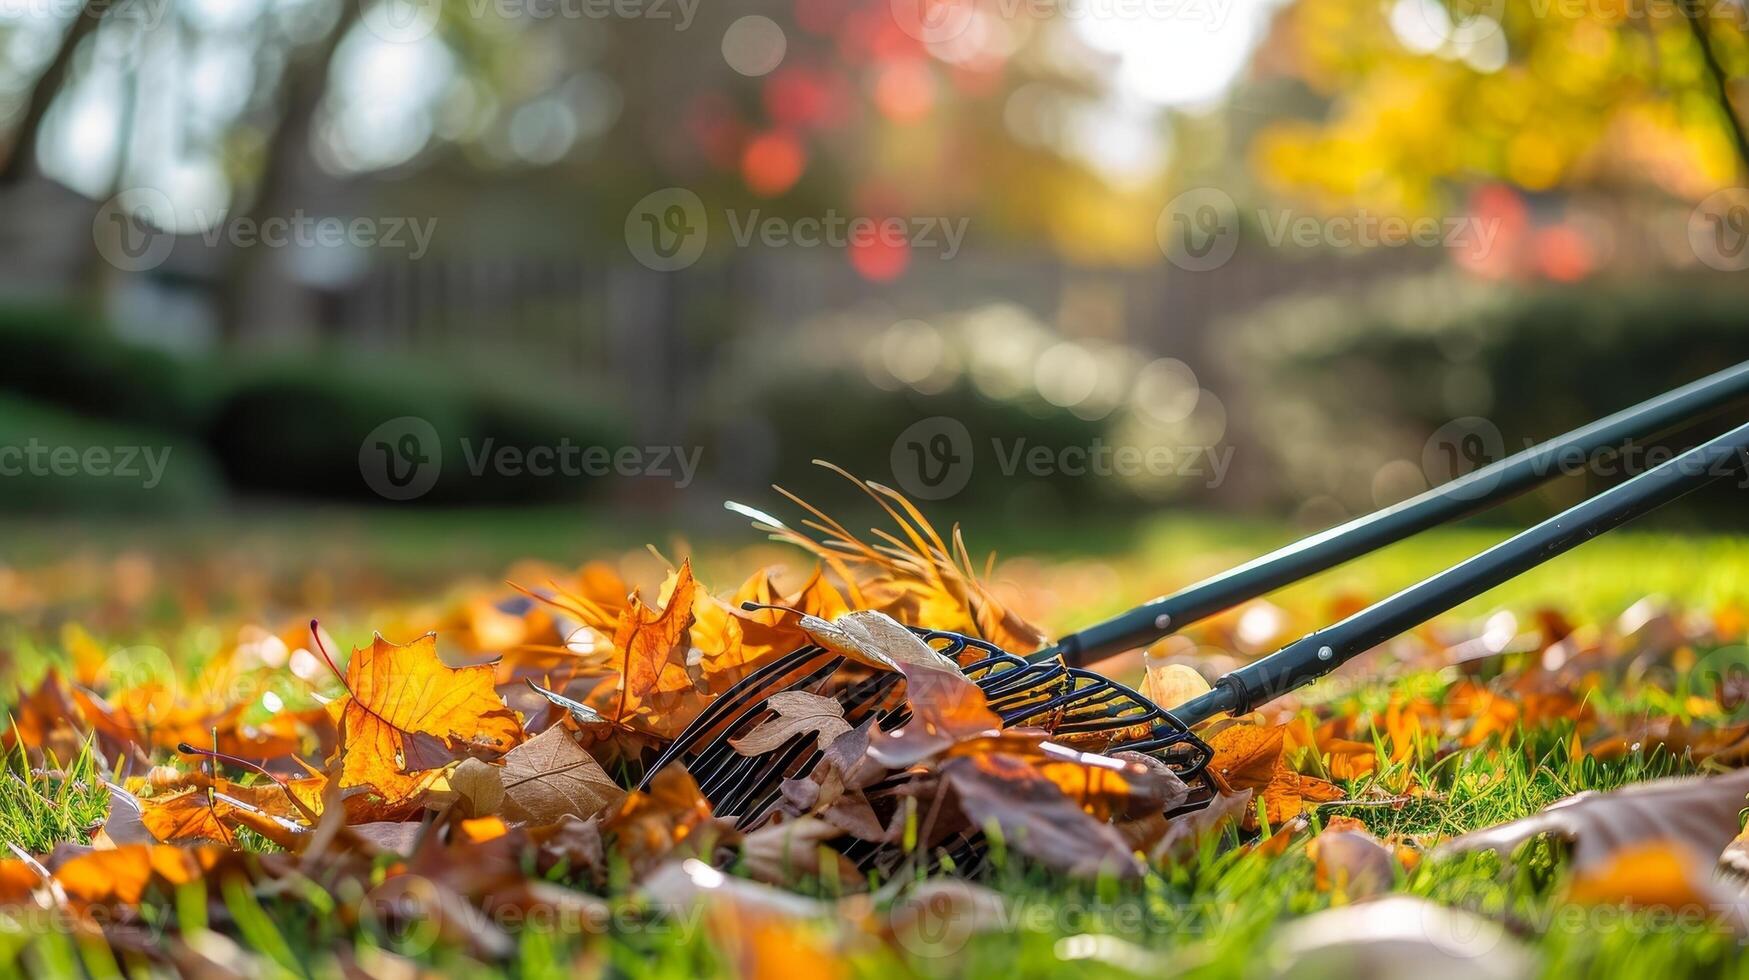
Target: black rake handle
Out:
[1459,498]
[1305,660]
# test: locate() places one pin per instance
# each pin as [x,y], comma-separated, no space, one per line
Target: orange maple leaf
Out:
[1245,755]
[656,692]
[406,712]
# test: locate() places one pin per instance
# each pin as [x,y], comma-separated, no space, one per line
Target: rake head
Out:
[1073,704]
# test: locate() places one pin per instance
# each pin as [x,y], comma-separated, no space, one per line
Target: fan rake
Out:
[1054,690]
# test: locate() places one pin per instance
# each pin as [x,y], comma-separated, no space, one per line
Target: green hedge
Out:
[52,460]
[286,426]
[1337,385]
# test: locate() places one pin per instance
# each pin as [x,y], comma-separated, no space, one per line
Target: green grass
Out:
[1218,915]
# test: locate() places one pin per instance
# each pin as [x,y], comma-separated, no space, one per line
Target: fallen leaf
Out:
[796,712]
[1171,684]
[1699,812]
[1035,817]
[551,777]
[1353,862]
[1651,874]
[406,712]
[1399,936]
[478,789]
[656,692]
[778,854]
[1245,756]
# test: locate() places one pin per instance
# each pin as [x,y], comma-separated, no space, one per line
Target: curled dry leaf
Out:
[406,712]
[477,789]
[796,712]
[652,824]
[1171,684]
[1183,834]
[1699,813]
[946,706]
[550,777]
[1034,816]
[1245,756]
[781,853]
[1353,862]
[656,693]
[877,640]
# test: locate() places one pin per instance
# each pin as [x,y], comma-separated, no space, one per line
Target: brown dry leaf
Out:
[877,640]
[779,854]
[477,789]
[796,712]
[1246,756]
[1125,785]
[550,777]
[45,719]
[1353,862]
[209,814]
[651,824]
[1184,833]
[574,843]
[1034,816]
[1170,684]
[946,706]
[1699,812]
[407,712]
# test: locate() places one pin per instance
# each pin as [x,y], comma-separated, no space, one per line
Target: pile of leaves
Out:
[450,796]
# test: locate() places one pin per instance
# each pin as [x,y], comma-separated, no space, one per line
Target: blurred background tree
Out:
[1580,133]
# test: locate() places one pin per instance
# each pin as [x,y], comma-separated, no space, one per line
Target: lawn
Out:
[1500,739]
